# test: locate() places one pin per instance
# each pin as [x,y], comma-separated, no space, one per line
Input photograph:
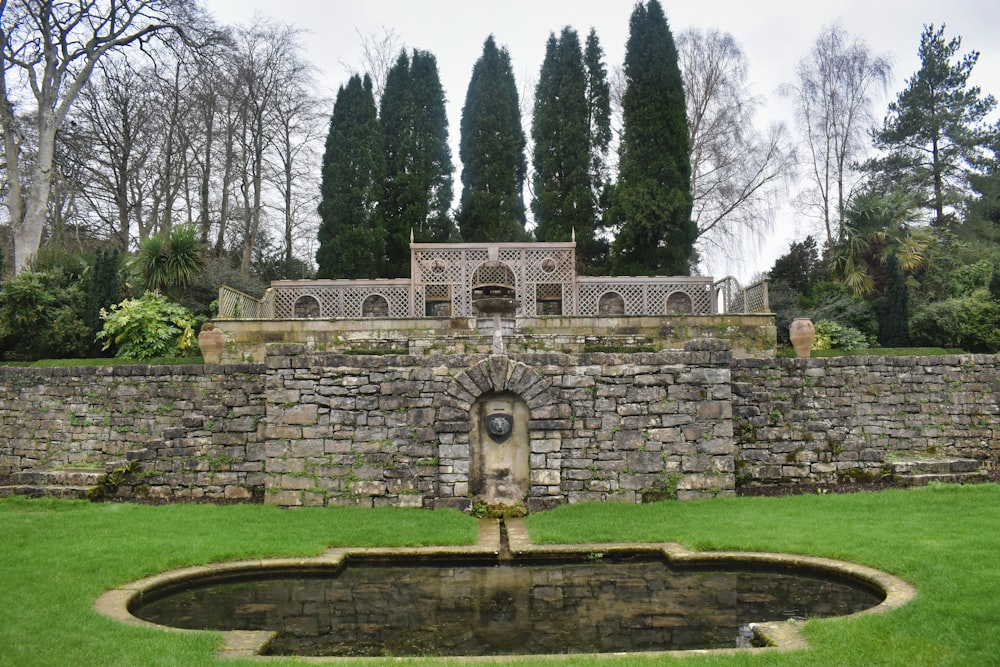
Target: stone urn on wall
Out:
[802,333]
[211,341]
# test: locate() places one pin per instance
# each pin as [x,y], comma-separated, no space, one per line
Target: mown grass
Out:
[57,557]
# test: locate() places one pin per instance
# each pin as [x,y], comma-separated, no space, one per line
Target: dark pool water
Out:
[575,607]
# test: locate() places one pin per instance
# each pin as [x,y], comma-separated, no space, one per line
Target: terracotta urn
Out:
[802,333]
[212,341]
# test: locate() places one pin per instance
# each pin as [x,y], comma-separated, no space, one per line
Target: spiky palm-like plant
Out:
[876,227]
[168,262]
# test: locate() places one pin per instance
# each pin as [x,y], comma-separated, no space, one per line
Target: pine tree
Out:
[651,201]
[418,185]
[564,137]
[351,233]
[492,152]
[934,133]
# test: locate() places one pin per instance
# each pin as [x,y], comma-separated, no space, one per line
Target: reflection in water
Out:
[578,607]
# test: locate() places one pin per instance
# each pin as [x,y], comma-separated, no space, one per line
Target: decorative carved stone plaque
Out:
[499,426]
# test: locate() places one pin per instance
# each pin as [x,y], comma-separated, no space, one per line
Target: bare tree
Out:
[268,68]
[736,172]
[117,113]
[378,55]
[300,131]
[49,49]
[834,93]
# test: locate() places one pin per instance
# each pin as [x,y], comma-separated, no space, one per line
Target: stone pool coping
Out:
[778,635]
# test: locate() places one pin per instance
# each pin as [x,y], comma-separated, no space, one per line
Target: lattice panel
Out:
[549,266]
[757,299]
[646,298]
[234,304]
[439,267]
[734,299]
[339,300]
[494,274]
[398,300]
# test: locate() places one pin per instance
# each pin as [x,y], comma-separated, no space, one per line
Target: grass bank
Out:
[57,557]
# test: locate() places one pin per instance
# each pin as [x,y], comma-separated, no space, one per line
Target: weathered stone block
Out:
[546,477]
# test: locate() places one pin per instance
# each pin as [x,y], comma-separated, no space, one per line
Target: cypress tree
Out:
[894,315]
[418,185]
[651,202]
[593,248]
[564,199]
[492,152]
[104,289]
[351,232]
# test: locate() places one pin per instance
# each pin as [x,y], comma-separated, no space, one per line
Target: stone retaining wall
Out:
[839,419]
[398,429]
[313,428]
[195,430]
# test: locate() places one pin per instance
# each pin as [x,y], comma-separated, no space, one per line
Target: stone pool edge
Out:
[778,635]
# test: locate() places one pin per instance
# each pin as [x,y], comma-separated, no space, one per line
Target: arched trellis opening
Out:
[494,279]
[679,303]
[306,307]
[375,305]
[610,304]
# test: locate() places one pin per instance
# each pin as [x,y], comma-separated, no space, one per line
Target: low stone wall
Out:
[840,419]
[314,428]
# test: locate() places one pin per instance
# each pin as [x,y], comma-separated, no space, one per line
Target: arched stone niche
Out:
[495,389]
[499,452]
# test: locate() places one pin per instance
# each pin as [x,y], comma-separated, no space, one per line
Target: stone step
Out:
[932,465]
[923,479]
[64,491]
[58,477]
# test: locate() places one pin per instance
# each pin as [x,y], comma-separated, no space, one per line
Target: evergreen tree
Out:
[651,202]
[351,233]
[894,315]
[559,130]
[418,185]
[800,268]
[934,133]
[985,206]
[564,157]
[104,289]
[594,249]
[492,152]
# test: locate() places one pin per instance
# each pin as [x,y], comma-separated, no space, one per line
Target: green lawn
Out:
[56,557]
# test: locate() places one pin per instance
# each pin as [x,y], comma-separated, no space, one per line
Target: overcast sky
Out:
[774,34]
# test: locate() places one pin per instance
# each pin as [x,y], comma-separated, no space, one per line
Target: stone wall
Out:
[398,429]
[314,428]
[840,419]
[193,429]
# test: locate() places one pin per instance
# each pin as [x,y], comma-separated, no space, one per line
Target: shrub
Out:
[833,301]
[41,317]
[968,322]
[832,335]
[151,326]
